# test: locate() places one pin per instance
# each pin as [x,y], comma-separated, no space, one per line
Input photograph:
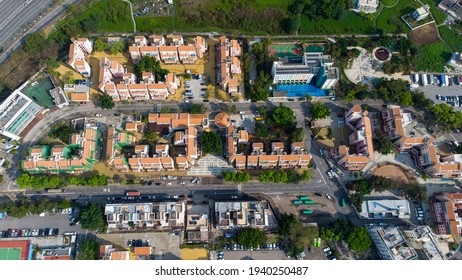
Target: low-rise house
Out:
[277,148]
[77,51]
[141,41]
[187,54]
[241,214]
[172,83]
[123,91]
[138,91]
[200,45]
[421,13]
[158,91]
[157,40]
[157,215]
[147,78]
[175,40]
[152,51]
[169,54]
[109,253]
[135,53]
[394,121]
[366,6]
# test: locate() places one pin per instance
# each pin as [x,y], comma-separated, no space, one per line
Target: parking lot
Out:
[58,221]
[255,255]
[195,88]
[432,91]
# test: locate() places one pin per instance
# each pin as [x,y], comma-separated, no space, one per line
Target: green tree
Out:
[100,46]
[88,250]
[251,237]
[151,64]
[197,109]
[262,130]
[35,43]
[105,101]
[68,77]
[320,111]
[92,217]
[151,135]
[299,237]
[359,239]
[283,116]
[383,144]
[117,47]
[262,111]
[230,109]
[210,143]
[285,223]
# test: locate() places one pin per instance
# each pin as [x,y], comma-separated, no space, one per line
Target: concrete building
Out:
[361,140]
[77,51]
[197,223]
[238,214]
[424,242]
[447,213]
[59,253]
[366,6]
[452,7]
[394,121]
[109,253]
[302,70]
[421,13]
[385,209]
[17,111]
[227,63]
[157,215]
[391,243]
[78,157]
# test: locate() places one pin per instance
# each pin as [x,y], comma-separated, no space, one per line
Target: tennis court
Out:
[10,254]
[285,50]
[39,92]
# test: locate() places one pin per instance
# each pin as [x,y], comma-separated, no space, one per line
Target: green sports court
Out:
[39,92]
[10,254]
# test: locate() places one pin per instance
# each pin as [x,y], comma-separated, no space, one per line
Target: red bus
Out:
[132,193]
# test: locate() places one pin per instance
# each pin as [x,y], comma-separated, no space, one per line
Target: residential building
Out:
[152,51]
[394,121]
[108,252]
[158,91]
[141,41]
[222,120]
[391,243]
[405,144]
[187,54]
[452,7]
[138,91]
[77,93]
[157,40]
[77,51]
[172,83]
[135,53]
[175,40]
[227,60]
[456,60]
[240,162]
[361,139]
[116,141]
[366,6]
[311,65]
[148,78]
[169,54]
[78,157]
[385,209]
[277,148]
[421,13]
[238,214]
[200,45]
[17,111]
[424,242]
[129,78]
[157,215]
[131,126]
[447,213]
[197,223]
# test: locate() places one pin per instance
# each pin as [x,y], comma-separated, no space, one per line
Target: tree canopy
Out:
[359,239]
[356,237]
[251,237]
[151,64]
[105,101]
[100,46]
[92,217]
[295,235]
[283,116]
[320,111]
[383,144]
[210,143]
[117,47]
[197,109]
[88,250]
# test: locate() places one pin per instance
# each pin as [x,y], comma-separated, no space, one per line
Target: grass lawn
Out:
[114,15]
[452,38]
[388,2]
[432,57]
[439,15]
[352,23]
[390,18]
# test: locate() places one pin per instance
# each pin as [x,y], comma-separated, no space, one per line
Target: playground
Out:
[39,92]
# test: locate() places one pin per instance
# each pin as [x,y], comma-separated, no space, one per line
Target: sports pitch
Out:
[10,254]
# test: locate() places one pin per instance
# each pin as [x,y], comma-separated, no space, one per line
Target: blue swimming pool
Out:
[300,90]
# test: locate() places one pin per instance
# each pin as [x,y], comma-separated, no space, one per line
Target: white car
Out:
[328,196]
[98,115]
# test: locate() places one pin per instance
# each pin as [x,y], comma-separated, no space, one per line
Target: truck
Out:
[424,80]
[307,212]
[446,80]
[308,202]
[443,82]
[416,78]
[303,198]
[298,202]
[132,193]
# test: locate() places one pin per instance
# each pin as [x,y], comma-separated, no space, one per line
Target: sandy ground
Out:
[194,254]
[63,68]
[391,171]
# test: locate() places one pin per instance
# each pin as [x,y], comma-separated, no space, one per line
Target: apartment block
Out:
[447,213]
[116,141]
[187,54]
[77,51]
[158,215]
[157,40]
[394,121]
[169,54]
[134,53]
[141,41]
[361,139]
[227,60]
[241,214]
[152,51]
[175,40]
[78,157]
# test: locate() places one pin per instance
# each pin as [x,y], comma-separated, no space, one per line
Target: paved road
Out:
[29,13]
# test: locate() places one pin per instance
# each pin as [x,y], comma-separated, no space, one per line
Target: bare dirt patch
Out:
[426,34]
[392,171]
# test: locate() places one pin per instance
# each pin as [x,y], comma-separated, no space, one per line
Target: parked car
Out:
[328,196]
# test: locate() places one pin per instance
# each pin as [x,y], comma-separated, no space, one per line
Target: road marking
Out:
[319,171]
